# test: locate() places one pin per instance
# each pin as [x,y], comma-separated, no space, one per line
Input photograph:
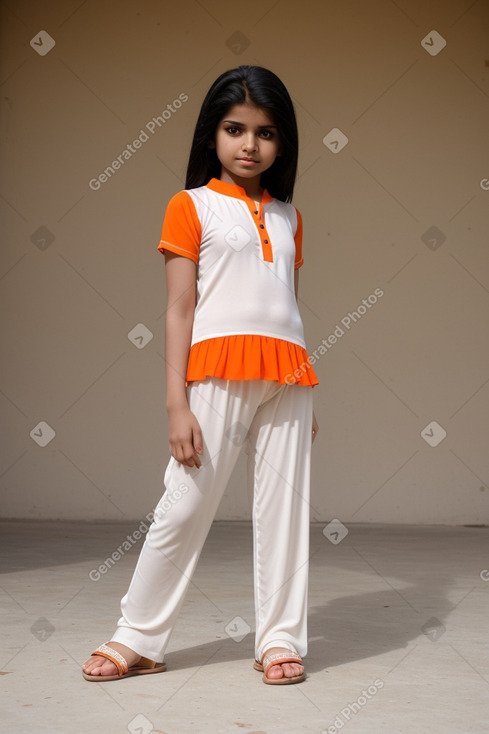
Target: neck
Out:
[250,185]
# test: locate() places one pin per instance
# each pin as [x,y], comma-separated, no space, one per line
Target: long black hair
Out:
[252,85]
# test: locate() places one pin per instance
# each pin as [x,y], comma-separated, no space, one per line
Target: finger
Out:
[197,441]
[185,454]
[177,453]
[180,455]
[190,456]
[196,461]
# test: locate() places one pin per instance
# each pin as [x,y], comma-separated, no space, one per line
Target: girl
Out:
[237,371]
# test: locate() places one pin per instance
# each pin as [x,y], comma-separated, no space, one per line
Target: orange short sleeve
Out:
[181,231]
[299,260]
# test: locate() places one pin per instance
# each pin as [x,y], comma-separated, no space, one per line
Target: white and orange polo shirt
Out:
[247,323]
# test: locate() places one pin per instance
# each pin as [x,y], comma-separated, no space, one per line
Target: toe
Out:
[275,672]
[98,666]
[90,664]
[283,670]
[291,670]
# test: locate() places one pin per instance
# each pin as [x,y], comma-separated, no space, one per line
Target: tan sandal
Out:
[277,658]
[144,666]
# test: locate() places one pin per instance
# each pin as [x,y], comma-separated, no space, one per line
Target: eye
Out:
[232,130]
[267,134]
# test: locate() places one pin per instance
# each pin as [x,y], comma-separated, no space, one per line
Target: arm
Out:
[185,435]
[315,426]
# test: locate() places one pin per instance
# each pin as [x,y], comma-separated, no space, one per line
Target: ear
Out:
[211,144]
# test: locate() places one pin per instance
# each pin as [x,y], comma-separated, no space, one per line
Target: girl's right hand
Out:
[185,437]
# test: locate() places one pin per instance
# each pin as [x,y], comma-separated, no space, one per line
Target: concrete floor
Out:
[398,630]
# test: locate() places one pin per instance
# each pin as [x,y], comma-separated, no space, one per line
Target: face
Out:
[246,143]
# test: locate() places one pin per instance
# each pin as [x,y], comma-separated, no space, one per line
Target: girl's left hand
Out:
[315,427]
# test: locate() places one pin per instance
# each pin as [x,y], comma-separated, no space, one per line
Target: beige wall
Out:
[417,159]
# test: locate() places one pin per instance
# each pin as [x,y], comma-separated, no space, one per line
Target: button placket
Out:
[262,232]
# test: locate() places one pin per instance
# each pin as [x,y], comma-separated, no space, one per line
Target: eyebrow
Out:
[242,124]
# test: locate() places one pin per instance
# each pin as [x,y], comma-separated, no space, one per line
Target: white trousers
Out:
[275,423]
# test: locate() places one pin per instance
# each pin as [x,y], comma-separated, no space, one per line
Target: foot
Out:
[97,665]
[285,670]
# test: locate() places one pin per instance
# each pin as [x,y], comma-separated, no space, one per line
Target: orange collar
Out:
[238,192]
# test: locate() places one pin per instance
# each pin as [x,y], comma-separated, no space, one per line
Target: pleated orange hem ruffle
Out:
[250,357]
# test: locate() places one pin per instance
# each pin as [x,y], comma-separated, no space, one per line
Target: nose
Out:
[249,142]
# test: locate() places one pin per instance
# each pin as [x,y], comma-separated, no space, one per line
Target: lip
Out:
[247,160]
